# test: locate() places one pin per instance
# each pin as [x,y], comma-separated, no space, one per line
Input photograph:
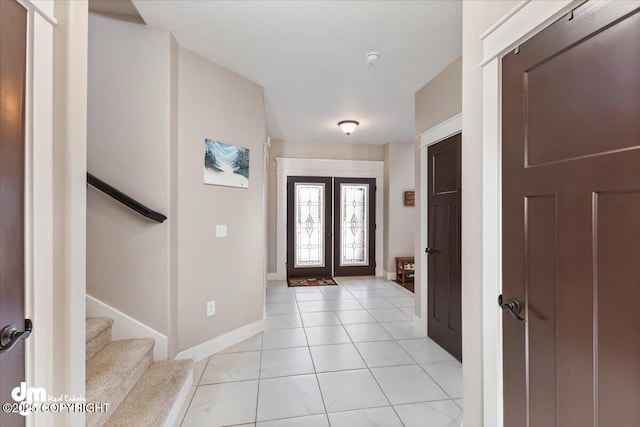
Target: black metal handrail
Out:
[124,199]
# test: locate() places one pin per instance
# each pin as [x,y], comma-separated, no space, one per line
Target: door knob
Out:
[430,251]
[10,335]
[513,306]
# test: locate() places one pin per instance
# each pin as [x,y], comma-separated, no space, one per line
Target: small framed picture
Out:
[410,198]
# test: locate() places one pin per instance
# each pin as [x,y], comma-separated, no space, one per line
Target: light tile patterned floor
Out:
[340,356]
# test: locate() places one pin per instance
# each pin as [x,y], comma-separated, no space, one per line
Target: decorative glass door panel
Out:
[309,239]
[309,216]
[354,226]
[354,249]
[330,226]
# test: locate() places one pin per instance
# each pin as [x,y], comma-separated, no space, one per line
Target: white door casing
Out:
[39,198]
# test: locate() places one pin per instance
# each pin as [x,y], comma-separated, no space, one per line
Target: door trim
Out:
[521,23]
[38,221]
[286,167]
[436,134]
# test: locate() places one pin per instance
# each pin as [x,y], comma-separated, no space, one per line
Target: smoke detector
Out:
[371,58]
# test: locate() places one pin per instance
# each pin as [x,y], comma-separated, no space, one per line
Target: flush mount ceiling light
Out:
[348,126]
[371,58]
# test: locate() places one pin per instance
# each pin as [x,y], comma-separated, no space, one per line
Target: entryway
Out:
[330,226]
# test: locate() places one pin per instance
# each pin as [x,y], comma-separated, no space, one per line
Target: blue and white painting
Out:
[225,164]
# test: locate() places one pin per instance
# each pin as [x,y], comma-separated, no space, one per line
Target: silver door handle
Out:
[513,306]
[10,335]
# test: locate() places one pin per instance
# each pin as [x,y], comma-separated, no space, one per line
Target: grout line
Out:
[376,380]
[196,385]
[343,289]
[259,378]
[188,406]
[315,372]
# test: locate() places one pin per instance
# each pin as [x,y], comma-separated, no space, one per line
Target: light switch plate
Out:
[221,231]
[211,308]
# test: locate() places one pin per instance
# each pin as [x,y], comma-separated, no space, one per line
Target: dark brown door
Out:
[444,268]
[309,220]
[571,221]
[354,213]
[13,48]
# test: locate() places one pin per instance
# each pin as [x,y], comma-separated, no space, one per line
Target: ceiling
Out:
[309,57]
[122,9]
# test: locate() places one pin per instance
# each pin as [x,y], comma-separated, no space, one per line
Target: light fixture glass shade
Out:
[348,126]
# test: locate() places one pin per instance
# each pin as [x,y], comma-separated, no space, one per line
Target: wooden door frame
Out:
[518,25]
[436,134]
[286,167]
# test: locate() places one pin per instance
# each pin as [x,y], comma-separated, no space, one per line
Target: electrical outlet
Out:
[211,308]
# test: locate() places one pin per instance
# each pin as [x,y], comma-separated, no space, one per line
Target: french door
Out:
[330,226]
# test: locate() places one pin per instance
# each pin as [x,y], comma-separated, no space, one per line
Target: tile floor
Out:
[339,356]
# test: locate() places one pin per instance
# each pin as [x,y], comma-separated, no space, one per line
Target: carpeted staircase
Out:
[140,392]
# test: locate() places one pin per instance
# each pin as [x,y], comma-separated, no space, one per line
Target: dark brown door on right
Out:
[571,221]
[13,48]
[444,267]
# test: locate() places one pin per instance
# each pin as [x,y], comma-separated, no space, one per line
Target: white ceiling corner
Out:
[310,58]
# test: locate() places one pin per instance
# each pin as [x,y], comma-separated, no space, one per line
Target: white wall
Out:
[399,229]
[477,18]
[219,104]
[129,141]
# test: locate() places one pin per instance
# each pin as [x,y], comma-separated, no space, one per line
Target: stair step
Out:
[151,400]
[97,325]
[112,373]
[98,334]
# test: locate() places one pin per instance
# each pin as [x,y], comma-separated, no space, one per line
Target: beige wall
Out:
[216,103]
[307,150]
[477,18]
[151,105]
[399,176]
[439,99]
[129,139]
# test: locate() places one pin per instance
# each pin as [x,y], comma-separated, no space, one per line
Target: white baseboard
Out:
[214,345]
[420,324]
[272,276]
[172,419]
[390,275]
[126,327]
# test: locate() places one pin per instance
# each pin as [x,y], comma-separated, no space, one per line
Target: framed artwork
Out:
[225,164]
[410,198]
